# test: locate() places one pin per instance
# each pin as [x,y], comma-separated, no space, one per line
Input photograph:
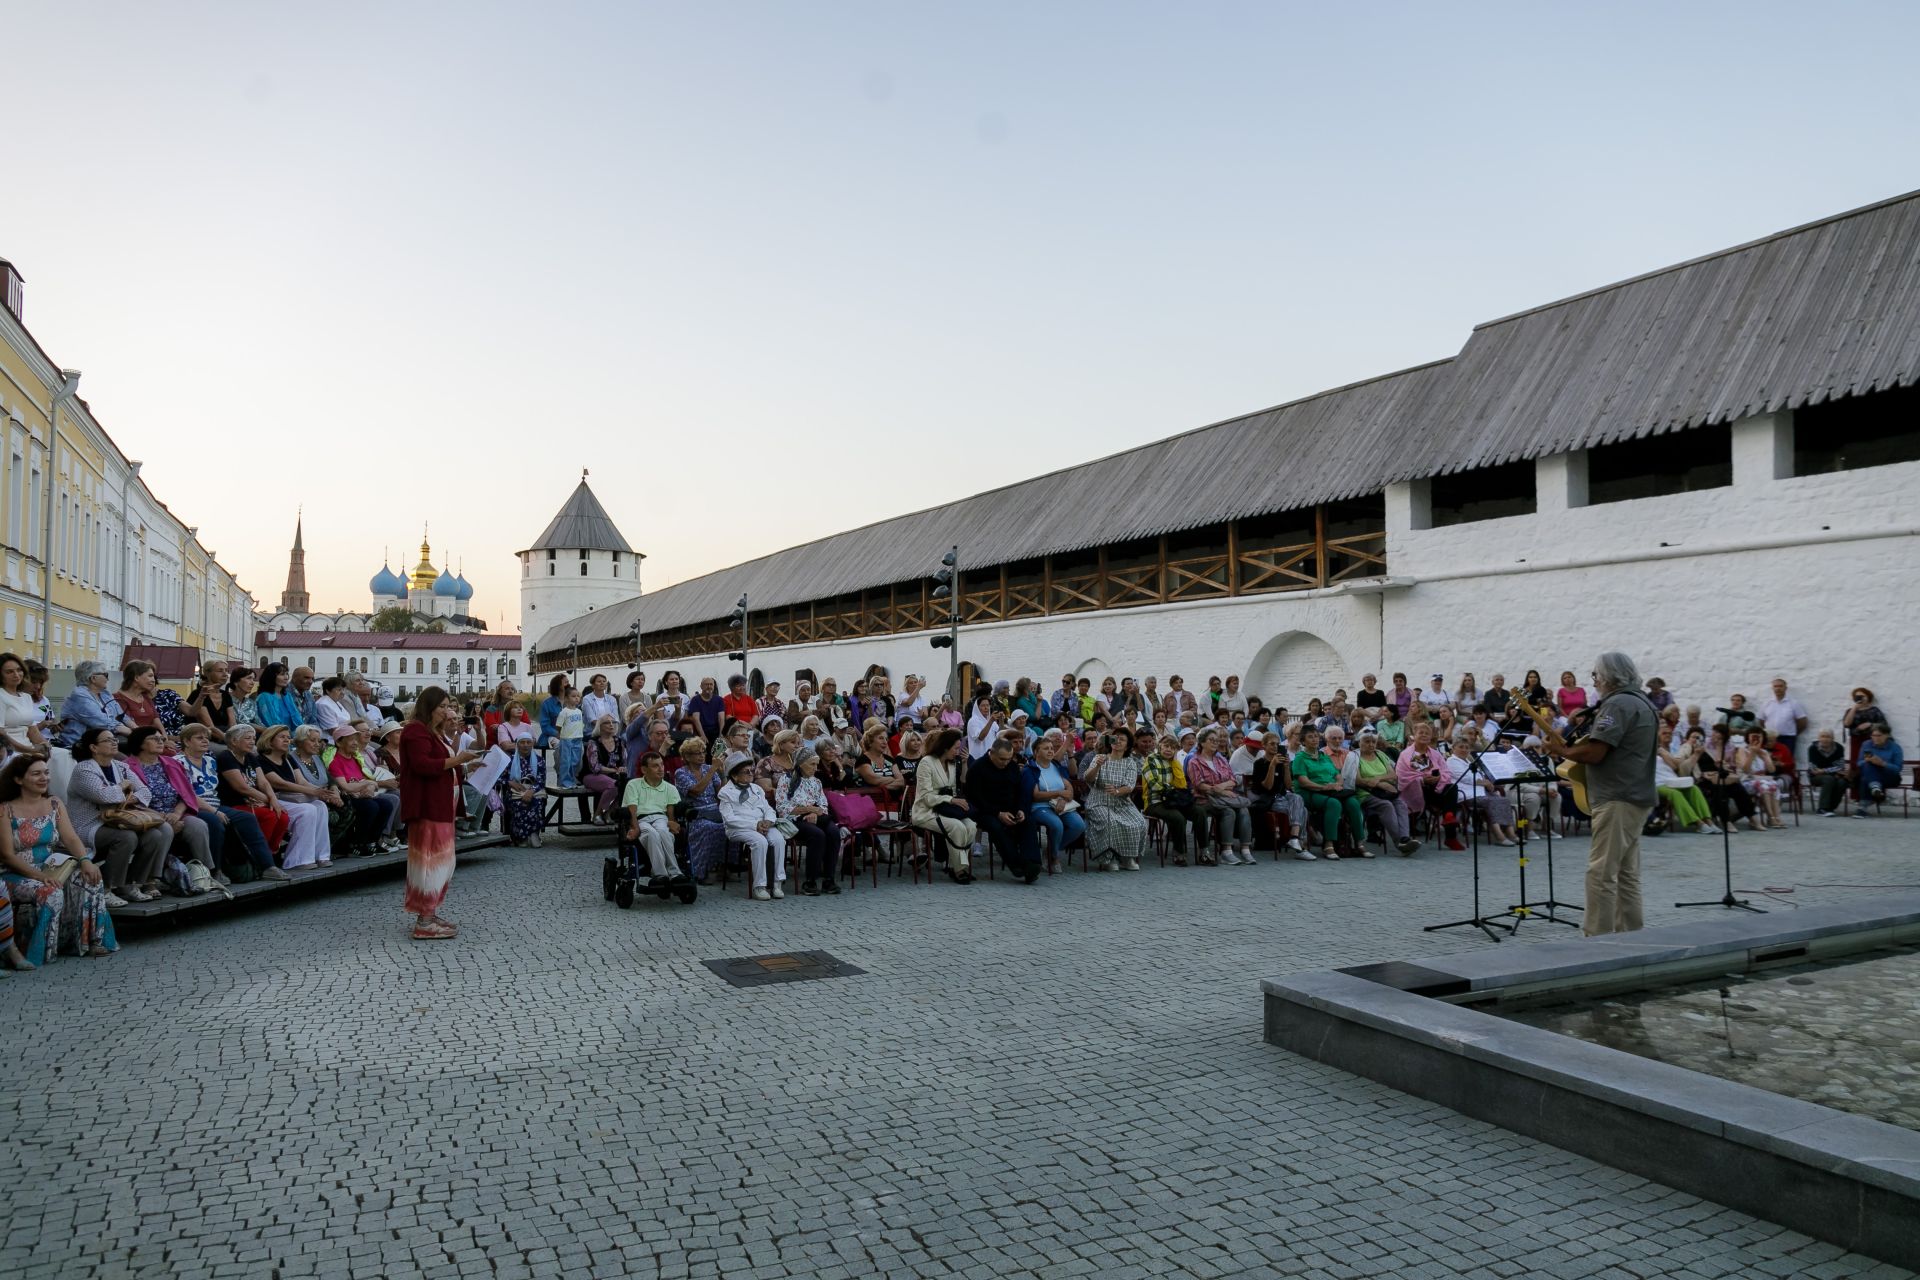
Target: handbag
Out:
[853,810]
[787,827]
[1177,797]
[129,817]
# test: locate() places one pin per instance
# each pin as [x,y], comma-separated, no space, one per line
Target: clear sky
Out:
[773,270]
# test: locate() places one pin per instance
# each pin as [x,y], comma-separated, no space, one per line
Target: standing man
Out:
[1783,717]
[1619,754]
[301,687]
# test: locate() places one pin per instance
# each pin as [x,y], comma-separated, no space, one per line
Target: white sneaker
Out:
[535,842]
[1303,856]
[1131,864]
[1229,857]
[778,890]
[1330,855]
[1365,852]
[761,895]
[1293,843]
[1247,859]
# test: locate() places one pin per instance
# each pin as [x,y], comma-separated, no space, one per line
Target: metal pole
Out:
[46,517]
[746,654]
[953,625]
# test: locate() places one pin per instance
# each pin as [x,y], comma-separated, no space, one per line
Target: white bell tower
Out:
[579,564]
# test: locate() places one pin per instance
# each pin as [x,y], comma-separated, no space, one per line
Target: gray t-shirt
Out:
[1628,724]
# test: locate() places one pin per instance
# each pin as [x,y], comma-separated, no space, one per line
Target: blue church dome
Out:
[462,589]
[443,585]
[387,583]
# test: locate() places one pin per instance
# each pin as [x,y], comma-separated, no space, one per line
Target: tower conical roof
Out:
[582,522]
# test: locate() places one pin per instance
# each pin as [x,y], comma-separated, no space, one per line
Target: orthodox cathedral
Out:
[428,593]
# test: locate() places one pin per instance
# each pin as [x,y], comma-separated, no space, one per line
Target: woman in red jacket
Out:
[429,785]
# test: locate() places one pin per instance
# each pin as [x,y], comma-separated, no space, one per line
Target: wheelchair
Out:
[626,874]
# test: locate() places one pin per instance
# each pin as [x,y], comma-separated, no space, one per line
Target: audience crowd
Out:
[122,794]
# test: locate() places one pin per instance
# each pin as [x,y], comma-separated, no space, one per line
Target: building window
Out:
[1484,493]
[513,666]
[583,568]
[1679,462]
[312,662]
[419,666]
[339,666]
[436,666]
[383,666]
[1874,430]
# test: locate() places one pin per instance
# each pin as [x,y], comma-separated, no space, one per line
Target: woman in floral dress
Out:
[70,915]
[699,785]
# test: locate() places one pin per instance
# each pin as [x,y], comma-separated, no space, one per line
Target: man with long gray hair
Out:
[1619,754]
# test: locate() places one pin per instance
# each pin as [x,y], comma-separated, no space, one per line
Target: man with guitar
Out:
[1618,753]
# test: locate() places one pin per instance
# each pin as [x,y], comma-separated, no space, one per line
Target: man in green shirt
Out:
[649,801]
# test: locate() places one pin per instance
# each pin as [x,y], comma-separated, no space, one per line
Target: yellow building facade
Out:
[90,559]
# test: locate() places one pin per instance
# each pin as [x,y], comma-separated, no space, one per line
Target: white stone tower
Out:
[579,564]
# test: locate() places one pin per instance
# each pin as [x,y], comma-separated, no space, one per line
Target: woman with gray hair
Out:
[90,706]
[1477,791]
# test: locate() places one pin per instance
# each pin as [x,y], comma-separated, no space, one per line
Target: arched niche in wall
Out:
[1292,667]
[1094,669]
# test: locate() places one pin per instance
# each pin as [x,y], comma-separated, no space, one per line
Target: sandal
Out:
[433,929]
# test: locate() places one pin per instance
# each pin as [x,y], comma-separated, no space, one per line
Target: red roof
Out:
[170,661]
[420,641]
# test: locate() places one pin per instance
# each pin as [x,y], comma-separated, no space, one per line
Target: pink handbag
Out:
[853,811]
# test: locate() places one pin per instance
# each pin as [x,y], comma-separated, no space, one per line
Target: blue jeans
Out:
[1874,775]
[567,753]
[1063,829]
[244,827]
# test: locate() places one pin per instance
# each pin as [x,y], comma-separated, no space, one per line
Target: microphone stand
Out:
[1477,920]
[1523,910]
[1725,815]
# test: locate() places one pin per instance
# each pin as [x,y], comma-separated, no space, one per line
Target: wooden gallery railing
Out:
[1215,563]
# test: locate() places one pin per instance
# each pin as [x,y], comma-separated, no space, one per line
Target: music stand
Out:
[1523,910]
[1477,920]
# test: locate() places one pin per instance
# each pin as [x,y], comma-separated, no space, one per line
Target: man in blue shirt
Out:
[300,689]
[1880,766]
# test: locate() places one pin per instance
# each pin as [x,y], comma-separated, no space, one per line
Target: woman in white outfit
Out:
[749,819]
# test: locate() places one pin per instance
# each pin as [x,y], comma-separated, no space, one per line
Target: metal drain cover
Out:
[792,966]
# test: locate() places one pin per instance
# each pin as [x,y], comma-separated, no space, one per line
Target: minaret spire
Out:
[294,598]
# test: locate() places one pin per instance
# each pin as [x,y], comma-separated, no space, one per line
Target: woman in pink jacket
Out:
[1426,783]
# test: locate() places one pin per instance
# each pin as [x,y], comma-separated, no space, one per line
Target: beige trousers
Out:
[1613,868]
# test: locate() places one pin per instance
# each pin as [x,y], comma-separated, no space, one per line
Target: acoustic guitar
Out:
[1571,772]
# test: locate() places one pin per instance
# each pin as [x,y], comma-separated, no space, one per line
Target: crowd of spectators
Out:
[1040,773]
[121,794]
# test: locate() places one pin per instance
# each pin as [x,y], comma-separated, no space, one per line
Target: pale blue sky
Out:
[837,245]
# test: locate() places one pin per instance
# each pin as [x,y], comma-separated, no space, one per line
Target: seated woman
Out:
[1827,766]
[46,866]
[998,799]
[1270,786]
[90,706]
[1718,781]
[522,789]
[1378,786]
[940,809]
[308,843]
[803,802]
[1316,777]
[912,747]
[834,774]
[1427,785]
[172,796]
[779,761]
[21,719]
[211,703]
[1054,808]
[1210,777]
[131,848]
[357,809]
[603,768]
[1163,780]
[1759,774]
[1476,791]
[698,782]
[1116,828]
[1673,781]
[276,702]
[244,785]
[203,775]
[874,768]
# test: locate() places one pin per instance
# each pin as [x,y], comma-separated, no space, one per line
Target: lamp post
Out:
[638,635]
[946,582]
[126,545]
[68,389]
[739,622]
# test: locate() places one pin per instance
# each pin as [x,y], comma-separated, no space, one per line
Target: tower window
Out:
[583,568]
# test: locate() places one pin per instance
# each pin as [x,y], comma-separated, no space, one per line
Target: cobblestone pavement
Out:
[1064,1080]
